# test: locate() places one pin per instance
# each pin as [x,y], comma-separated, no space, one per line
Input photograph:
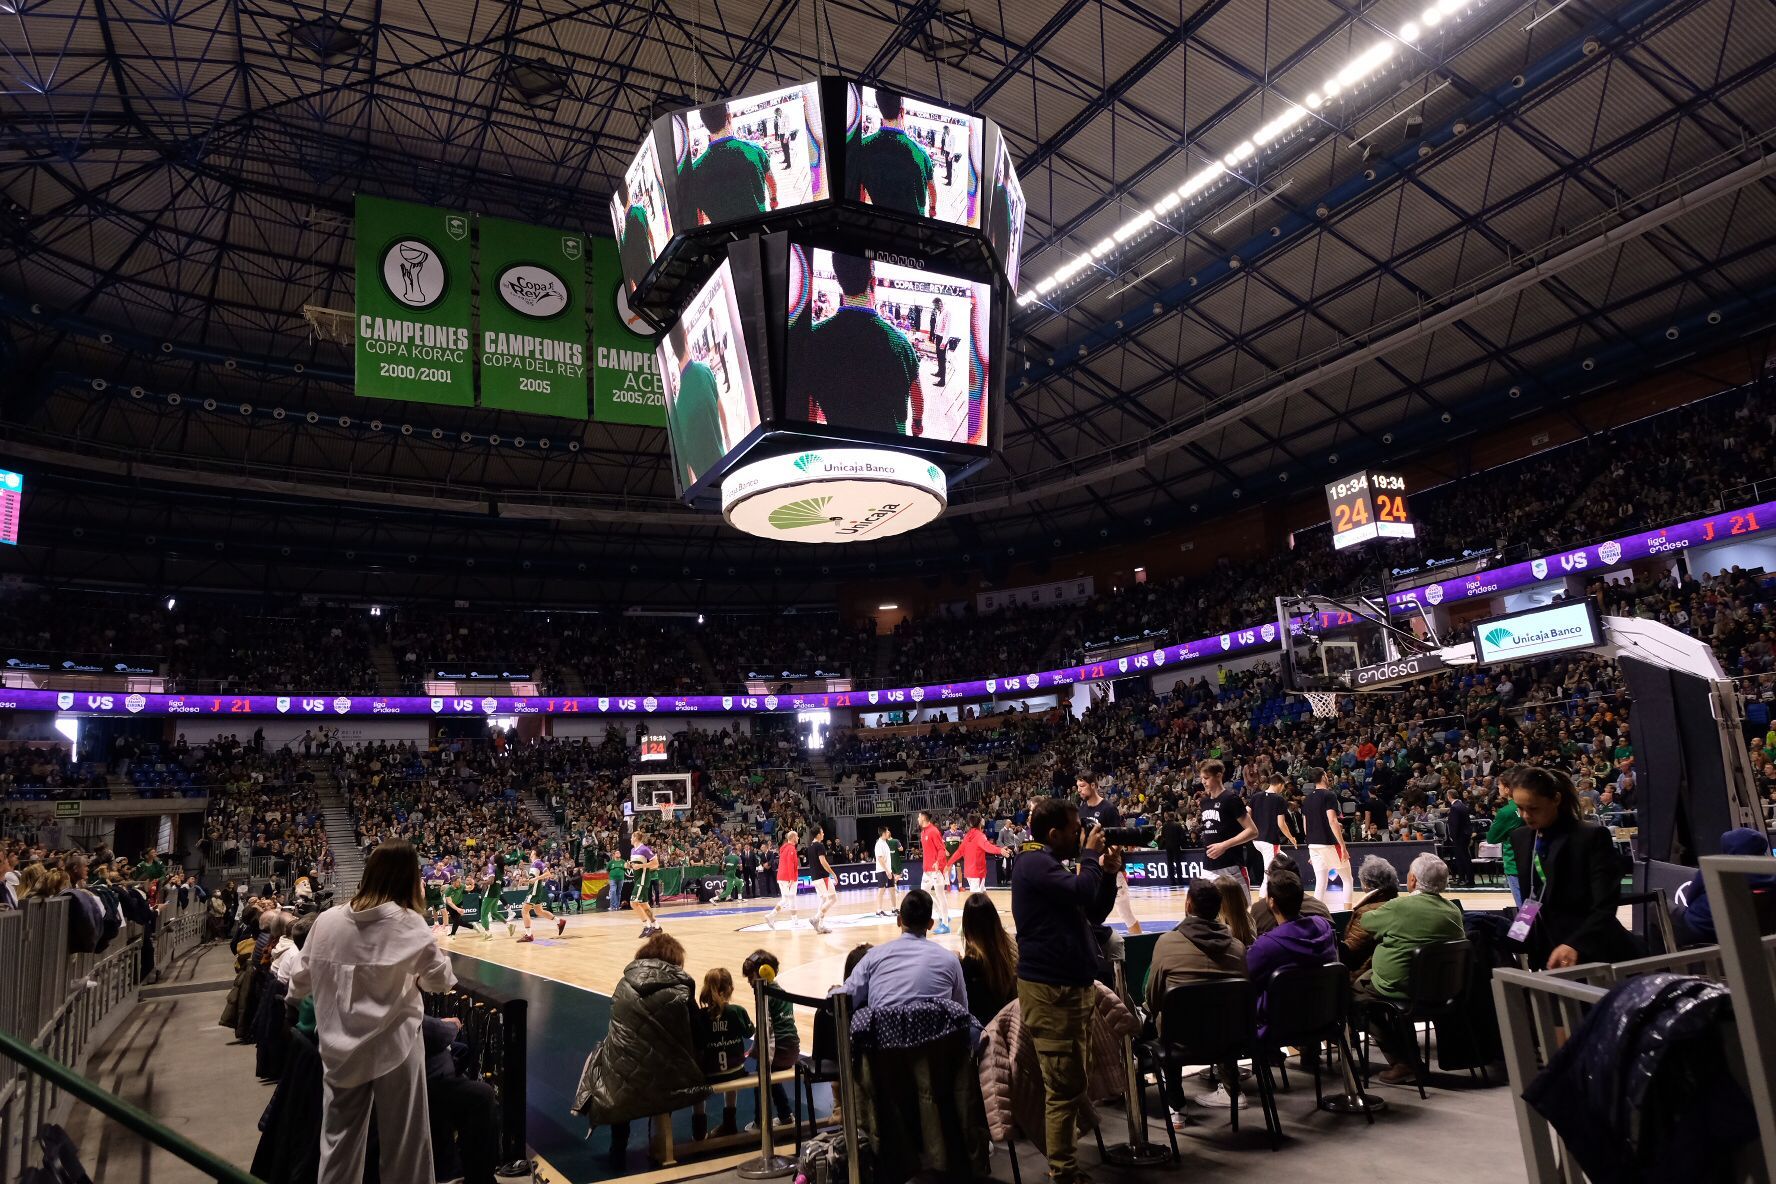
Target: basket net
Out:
[1323,703]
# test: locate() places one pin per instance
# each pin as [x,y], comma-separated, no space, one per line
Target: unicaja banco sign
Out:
[1537,632]
[834,495]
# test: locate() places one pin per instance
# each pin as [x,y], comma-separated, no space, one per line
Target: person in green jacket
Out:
[1503,823]
[614,870]
[1419,917]
[693,418]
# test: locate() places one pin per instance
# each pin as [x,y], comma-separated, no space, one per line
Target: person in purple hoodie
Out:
[1296,941]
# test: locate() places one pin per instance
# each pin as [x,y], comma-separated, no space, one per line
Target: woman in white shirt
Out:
[365,965]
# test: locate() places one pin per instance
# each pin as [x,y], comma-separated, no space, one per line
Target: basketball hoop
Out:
[1323,703]
[666,810]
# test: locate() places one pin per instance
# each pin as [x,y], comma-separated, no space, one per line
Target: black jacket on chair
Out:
[1581,896]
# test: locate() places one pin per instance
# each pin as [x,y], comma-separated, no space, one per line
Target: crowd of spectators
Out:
[805,644]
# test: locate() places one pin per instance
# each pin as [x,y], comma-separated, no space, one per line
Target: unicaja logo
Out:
[807,460]
[1500,636]
[803,512]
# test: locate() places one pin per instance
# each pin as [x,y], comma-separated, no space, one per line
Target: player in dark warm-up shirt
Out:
[694,418]
[893,170]
[856,369]
[732,179]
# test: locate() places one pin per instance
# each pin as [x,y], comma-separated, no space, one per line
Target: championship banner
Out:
[533,319]
[625,382]
[413,304]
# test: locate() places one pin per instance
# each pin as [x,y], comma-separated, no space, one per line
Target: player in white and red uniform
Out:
[933,878]
[972,855]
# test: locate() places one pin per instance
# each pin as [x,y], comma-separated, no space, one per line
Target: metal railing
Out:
[1538,1011]
[67,1003]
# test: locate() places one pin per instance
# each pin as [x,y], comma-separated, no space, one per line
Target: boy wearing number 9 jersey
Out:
[722,1029]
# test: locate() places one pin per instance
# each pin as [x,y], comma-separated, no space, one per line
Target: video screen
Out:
[711,404]
[1005,210]
[740,158]
[640,214]
[905,154]
[883,347]
[12,505]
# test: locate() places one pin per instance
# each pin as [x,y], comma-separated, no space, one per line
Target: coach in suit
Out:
[1570,868]
[1460,824]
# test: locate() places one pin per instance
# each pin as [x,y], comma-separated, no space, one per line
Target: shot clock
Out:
[1367,506]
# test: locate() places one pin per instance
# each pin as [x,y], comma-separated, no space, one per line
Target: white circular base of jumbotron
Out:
[834,495]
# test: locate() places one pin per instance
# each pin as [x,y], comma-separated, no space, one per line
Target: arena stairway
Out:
[342,833]
[545,818]
[712,682]
[388,670]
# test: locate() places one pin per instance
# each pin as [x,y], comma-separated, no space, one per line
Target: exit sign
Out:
[67,809]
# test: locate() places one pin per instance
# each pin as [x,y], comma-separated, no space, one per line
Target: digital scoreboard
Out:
[655,748]
[1366,506]
[12,502]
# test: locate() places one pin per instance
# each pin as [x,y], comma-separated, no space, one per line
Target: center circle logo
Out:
[413,273]
[533,291]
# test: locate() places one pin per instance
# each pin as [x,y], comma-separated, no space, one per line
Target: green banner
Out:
[625,384]
[533,319]
[413,304]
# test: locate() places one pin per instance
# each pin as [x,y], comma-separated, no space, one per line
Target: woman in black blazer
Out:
[1570,866]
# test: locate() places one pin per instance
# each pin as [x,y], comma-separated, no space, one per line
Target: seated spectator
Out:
[1695,910]
[989,958]
[909,968]
[1198,949]
[1400,926]
[1299,939]
[722,1028]
[647,1064]
[1264,919]
[1236,909]
[464,1110]
[1380,881]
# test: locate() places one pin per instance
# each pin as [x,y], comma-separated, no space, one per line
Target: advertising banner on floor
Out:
[625,382]
[533,319]
[413,303]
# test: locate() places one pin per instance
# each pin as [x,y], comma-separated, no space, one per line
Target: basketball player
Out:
[536,896]
[1271,812]
[789,874]
[826,884]
[643,863]
[1096,810]
[731,866]
[1227,824]
[932,877]
[972,854]
[885,906]
[1325,838]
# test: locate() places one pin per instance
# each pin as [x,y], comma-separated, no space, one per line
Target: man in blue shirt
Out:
[1055,910]
[911,968]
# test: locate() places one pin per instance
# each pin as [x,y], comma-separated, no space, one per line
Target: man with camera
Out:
[1095,810]
[1056,911]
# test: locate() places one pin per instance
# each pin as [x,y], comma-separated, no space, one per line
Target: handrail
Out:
[120,1111]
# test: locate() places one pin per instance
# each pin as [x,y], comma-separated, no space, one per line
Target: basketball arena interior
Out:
[1072,590]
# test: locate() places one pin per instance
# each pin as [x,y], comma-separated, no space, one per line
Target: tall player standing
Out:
[789,875]
[1270,811]
[1227,824]
[1096,810]
[932,877]
[645,865]
[826,884]
[885,906]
